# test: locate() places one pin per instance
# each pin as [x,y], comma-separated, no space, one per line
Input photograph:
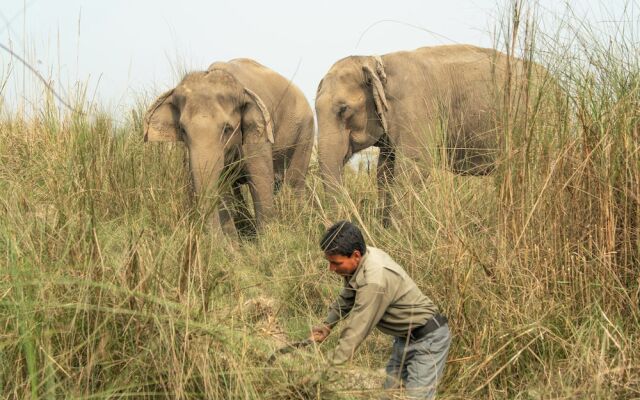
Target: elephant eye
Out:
[181,131]
[227,129]
[342,109]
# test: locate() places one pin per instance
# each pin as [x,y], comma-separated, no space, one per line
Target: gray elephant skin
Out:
[400,101]
[242,121]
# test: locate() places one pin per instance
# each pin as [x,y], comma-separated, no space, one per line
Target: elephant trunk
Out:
[333,152]
[206,171]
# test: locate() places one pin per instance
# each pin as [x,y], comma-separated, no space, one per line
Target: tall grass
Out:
[111,287]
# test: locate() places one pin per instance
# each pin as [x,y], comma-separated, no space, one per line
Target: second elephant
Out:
[239,120]
[411,103]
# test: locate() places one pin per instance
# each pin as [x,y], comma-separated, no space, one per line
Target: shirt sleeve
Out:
[370,305]
[341,307]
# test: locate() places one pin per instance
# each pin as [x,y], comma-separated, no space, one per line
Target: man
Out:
[378,292]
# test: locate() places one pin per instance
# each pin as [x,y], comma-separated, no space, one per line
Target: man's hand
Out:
[319,333]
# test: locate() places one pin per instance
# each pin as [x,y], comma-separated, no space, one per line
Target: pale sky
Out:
[121,48]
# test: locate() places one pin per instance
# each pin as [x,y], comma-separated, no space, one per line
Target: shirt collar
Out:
[359,271]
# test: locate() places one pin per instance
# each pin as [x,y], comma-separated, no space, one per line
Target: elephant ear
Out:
[268,125]
[161,120]
[319,88]
[375,81]
[380,69]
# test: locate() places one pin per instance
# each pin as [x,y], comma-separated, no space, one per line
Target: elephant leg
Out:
[259,168]
[226,212]
[299,163]
[242,216]
[279,166]
[385,177]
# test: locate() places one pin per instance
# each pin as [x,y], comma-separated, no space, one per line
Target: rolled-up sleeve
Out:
[340,308]
[369,306]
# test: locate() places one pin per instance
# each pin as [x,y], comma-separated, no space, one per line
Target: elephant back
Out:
[282,98]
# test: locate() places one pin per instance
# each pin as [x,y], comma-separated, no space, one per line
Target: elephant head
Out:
[208,111]
[351,107]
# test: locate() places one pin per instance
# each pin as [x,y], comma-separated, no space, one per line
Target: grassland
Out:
[111,287]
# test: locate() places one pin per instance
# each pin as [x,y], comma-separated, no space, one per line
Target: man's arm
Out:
[338,310]
[371,302]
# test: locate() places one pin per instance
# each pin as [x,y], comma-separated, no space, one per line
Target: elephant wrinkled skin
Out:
[406,103]
[242,122]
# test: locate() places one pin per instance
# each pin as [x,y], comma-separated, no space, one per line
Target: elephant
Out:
[242,123]
[400,102]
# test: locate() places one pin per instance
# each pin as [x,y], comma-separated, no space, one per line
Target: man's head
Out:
[343,247]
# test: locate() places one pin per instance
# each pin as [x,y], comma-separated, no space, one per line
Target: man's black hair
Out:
[343,238]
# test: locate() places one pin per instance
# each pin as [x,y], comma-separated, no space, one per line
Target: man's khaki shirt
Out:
[379,293]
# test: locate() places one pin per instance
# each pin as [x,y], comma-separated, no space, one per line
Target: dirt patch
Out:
[261,312]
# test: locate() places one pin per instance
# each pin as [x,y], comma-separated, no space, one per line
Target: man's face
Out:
[342,265]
